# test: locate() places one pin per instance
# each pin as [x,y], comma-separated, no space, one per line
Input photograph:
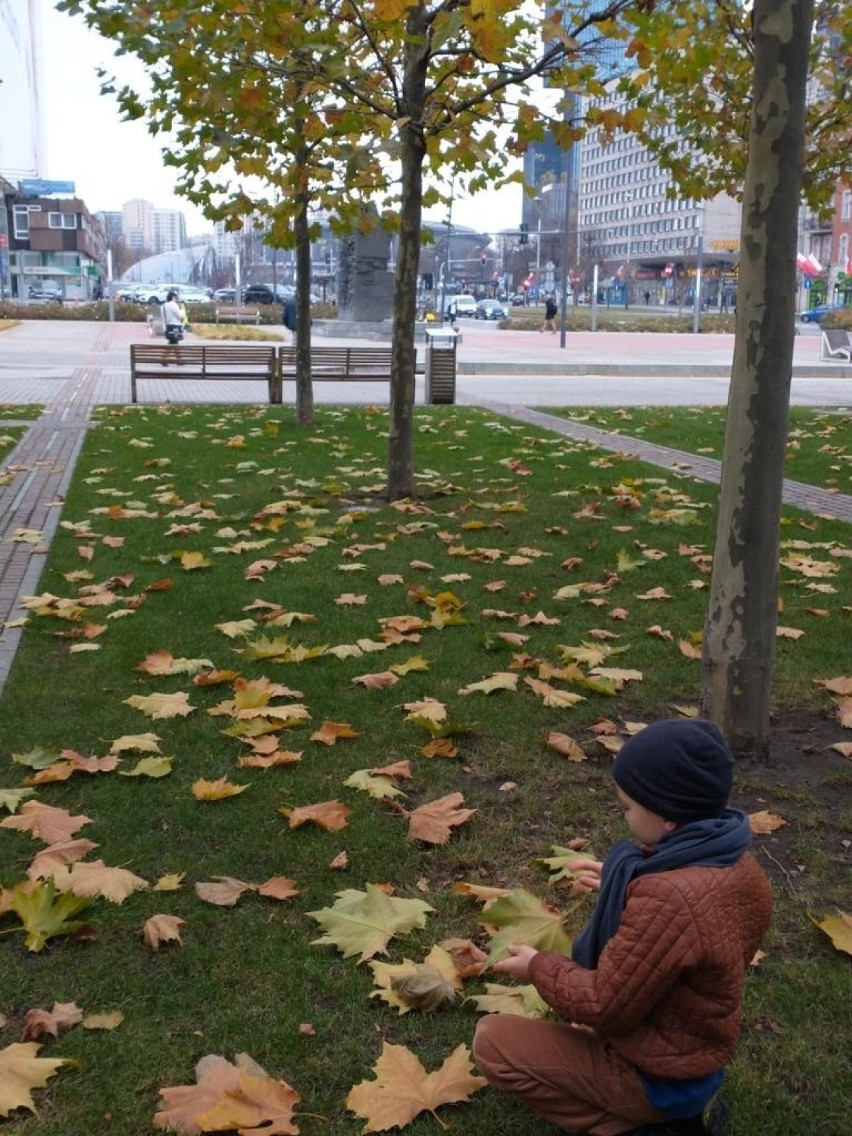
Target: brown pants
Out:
[570,1076]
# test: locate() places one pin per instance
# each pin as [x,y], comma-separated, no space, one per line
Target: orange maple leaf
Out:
[278,887]
[433,822]
[403,1089]
[330,815]
[565,745]
[329,732]
[440,747]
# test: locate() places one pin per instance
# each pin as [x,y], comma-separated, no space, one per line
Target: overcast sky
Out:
[111,161]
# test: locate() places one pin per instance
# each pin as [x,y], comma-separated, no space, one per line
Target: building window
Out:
[21,220]
[62,220]
[846,207]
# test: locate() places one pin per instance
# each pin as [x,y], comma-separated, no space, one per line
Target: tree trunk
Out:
[301,229]
[739,634]
[400,481]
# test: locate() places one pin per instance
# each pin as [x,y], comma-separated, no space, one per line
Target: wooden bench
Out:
[836,344]
[341,364]
[233,314]
[208,362]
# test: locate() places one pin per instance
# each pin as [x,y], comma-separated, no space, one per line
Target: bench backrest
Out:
[156,352]
[837,337]
[219,354]
[340,356]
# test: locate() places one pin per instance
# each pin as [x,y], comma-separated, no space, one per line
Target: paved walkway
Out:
[69,368]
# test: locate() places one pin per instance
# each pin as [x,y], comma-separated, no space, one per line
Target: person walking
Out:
[549,315]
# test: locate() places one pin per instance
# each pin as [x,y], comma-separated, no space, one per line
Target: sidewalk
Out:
[70,367]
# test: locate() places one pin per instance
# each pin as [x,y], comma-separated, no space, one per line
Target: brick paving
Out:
[69,368]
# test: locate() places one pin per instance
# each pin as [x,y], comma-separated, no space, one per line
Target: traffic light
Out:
[482,259]
[525,233]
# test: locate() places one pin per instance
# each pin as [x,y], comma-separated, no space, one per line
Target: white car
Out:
[458,306]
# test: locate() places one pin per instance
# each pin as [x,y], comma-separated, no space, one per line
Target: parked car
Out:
[458,306]
[518,300]
[816,315]
[260,294]
[490,310]
[154,293]
[187,294]
[44,294]
[225,295]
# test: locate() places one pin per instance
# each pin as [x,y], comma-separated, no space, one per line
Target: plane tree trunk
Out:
[739,634]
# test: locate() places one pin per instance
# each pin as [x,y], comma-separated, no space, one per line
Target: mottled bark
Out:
[739,634]
[403,351]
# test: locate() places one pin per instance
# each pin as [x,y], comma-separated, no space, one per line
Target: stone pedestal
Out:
[364,284]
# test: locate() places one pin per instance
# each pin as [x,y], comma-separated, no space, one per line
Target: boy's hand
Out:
[587,873]
[517,965]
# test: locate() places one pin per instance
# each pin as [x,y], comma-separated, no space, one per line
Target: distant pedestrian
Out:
[647,299]
[288,315]
[549,315]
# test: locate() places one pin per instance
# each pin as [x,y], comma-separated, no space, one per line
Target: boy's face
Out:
[647,827]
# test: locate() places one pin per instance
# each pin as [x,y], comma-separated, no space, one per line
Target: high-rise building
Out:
[169,230]
[138,224]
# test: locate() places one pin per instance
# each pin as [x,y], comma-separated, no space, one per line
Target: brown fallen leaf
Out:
[381,680]
[433,822]
[45,822]
[340,862]
[329,815]
[565,746]
[161,929]
[440,747]
[64,1015]
[223,891]
[95,878]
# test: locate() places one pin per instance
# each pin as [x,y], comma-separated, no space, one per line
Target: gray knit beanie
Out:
[679,768]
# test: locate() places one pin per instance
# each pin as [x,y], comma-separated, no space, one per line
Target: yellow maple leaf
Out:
[21,1071]
[403,1088]
[838,928]
[160,705]
[764,822]
[190,561]
[217,790]
[500,680]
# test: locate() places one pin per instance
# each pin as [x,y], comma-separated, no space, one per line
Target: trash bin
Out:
[440,365]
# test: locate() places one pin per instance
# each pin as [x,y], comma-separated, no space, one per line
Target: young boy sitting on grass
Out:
[653,990]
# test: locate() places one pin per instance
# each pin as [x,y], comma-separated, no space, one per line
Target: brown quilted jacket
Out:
[667,991]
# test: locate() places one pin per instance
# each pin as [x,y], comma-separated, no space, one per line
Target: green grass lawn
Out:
[235,541]
[819,443]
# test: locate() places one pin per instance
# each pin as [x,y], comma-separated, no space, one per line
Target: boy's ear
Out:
[670,825]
